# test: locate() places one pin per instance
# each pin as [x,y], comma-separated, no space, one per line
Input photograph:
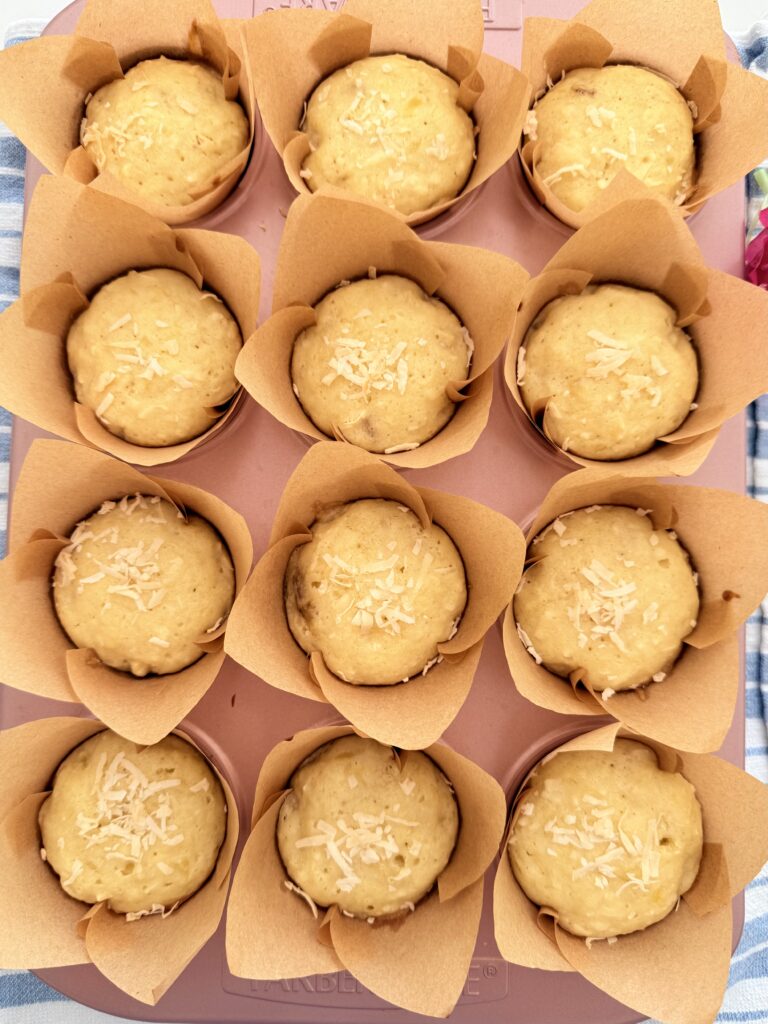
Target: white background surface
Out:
[738,15]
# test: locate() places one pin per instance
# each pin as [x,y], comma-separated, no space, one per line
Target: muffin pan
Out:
[247,464]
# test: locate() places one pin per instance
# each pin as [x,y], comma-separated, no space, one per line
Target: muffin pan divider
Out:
[247,465]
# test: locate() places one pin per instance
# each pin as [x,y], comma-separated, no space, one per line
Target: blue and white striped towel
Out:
[26,1000]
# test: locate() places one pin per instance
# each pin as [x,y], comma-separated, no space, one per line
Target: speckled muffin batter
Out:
[389,128]
[154,357]
[375,592]
[608,371]
[365,831]
[165,131]
[139,584]
[597,121]
[607,596]
[136,827]
[377,363]
[606,839]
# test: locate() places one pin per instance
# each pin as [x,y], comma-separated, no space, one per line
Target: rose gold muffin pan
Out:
[510,469]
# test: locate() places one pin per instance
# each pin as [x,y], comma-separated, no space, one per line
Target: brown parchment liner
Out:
[44,83]
[412,714]
[69,252]
[292,51]
[643,243]
[60,484]
[418,961]
[684,41]
[329,240]
[47,928]
[726,536]
[676,970]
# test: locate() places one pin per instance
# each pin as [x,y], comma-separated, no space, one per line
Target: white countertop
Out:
[738,15]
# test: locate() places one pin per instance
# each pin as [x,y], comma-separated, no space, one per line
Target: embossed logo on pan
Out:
[497,14]
[487,982]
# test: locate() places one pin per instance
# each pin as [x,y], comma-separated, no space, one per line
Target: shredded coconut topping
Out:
[609,357]
[374,120]
[601,605]
[292,887]
[104,405]
[526,641]
[135,570]
[156,908]
[555,176]
[607,853]
[130,352]
[378,597]
[439,148]
[530,126]
[521,365]
[132,815]
[612,356]
[407,447]
[369,841]
[366,370]
[75,872]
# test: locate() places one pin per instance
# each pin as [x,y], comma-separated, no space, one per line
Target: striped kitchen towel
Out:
[26,1000]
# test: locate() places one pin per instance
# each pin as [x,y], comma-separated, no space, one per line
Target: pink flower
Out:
[756,256]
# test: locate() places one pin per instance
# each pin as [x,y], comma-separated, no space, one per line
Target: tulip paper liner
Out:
[292,51]
[44,84]
[644,244]
[675,970]
[683,41]
[327,241]
[59,485]
[69,252]
[419,961]
[44,927]
[726,536]
[412,714]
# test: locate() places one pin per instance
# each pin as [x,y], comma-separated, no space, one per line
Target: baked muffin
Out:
[375,592]
[608,371]
[154,357]
[364,831]
[166,130]
[377,363]
[139,584]
[390,129]
[596,121]
[137,827]
[607,596]
[606,839]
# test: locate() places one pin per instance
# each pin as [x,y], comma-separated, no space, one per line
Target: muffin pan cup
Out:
[726,536]
[644,243]
[144,957]
[327,241]
[677,969]
[419,961]
[59,485]
[415,713]
[292,51]
[69,253]
[44,84]
[684,42]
